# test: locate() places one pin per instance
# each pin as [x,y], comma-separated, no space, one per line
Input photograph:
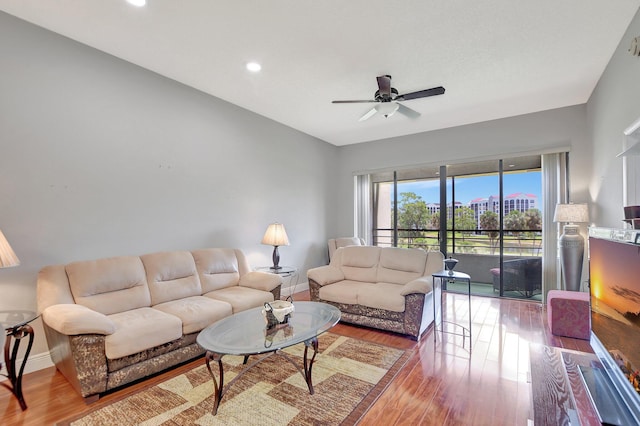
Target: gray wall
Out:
[538,132]
[613,106]
[99,158]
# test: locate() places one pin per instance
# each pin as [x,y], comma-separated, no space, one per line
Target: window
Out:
[492,215]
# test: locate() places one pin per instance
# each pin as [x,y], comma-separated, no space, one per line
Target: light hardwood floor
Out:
[442,383]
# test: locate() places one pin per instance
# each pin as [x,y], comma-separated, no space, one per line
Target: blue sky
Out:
[479,186]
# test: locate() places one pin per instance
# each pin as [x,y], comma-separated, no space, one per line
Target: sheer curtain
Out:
[362,208]
[554,190]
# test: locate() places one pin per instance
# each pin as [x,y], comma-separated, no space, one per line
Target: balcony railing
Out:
[520,242]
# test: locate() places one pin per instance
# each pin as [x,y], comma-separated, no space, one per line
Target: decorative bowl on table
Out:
[450,263]
[277,312]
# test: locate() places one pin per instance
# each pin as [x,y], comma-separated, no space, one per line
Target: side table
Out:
[451,276]
[16,326]
[285,272]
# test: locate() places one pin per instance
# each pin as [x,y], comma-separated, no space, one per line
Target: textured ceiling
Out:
[496,58]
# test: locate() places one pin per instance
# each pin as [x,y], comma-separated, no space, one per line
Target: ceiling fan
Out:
[388,99]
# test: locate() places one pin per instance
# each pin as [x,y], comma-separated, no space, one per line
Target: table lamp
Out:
[275,236]
[7,256]
[571,242]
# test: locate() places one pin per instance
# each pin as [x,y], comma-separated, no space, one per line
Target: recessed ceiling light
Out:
[138,3]
[254,66]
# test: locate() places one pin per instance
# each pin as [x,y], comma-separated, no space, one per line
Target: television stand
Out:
[557,389]
[604,396]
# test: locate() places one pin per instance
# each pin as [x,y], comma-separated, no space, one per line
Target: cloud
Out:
[627,293]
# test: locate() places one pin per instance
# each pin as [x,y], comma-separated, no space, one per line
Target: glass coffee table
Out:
[245,334]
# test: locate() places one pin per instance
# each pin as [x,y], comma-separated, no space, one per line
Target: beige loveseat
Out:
[381,287]
[111,321]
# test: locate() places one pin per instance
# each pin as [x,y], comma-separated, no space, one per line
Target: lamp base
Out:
[571,256]
[276,259]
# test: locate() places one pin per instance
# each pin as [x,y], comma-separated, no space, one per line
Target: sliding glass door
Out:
[492,220]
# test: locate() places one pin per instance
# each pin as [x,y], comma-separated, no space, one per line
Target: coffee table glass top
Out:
[16,318]
[246,333]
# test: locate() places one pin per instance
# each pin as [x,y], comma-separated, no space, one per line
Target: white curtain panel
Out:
[554,190]
[362,208]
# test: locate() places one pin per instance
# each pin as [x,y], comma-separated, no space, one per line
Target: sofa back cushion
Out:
[219,267]
[358,263]
[109,286]
[401,265]
[336,243]
[53,287]
[171,275]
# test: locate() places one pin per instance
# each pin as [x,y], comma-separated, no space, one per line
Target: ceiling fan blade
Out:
[368,114]
[353,102]
[384,85]
[408,112]
[421,94]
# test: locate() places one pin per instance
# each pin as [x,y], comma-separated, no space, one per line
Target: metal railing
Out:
[521,242]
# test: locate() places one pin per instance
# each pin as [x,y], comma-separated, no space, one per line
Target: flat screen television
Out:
[614,282]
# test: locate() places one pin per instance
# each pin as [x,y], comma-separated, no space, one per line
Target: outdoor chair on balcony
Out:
[521,275]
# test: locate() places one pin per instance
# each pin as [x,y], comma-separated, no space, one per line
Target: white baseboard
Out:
[34,363]
[38,362]
[288,291]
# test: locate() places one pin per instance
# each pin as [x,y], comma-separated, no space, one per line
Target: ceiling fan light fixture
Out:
[387,108]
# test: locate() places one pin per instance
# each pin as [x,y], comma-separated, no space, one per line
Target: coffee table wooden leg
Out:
[217,387]
[308,364]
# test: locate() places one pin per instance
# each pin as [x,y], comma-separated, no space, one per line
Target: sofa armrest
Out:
[260,280]
[420,285]
[72,319]
[324,275]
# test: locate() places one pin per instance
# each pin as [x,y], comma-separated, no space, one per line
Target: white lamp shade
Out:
[275,235]
[571,213]
[7,256]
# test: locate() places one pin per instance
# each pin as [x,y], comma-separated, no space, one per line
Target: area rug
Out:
[348,377]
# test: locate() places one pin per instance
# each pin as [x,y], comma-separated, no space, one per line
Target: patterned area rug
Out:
[348,377]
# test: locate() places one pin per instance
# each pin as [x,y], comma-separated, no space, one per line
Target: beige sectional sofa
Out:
[111,321]
[381,287]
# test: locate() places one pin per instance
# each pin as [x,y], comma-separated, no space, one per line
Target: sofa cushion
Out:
[53,287]
[336,243]
[111,285]
[400,265]
[359,263]
[140,329]
[217,268]
[345,291]
[196,312]
[241,298]
[383,296]
[171,276]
